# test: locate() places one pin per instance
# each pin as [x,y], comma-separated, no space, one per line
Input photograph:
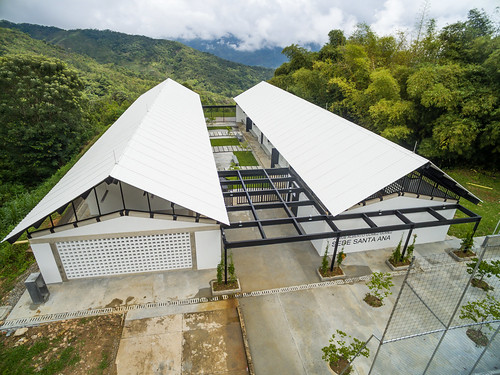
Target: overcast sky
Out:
[257,23]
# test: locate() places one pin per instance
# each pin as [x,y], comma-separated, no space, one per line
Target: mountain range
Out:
[141,58]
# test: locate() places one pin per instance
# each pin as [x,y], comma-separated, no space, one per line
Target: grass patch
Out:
[224,142]
[19,359]
[228,128]
[489,208]
[246,158]
[105,362]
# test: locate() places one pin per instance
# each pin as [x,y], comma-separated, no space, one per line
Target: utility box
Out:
[37,288]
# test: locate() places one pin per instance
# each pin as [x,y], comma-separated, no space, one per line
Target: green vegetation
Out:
[153,59]
[486,186]
[440,91]
[338,354]
[224,142]
[219,112]
[228,128]
[14,259]
[485,269]
[246,158]
[380,287]
[61,88]
[480,311]
[47,126]
[324,260]
[19,359]
[105,362]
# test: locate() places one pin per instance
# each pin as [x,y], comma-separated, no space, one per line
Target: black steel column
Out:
[97,202]
[335,252]
[51,223]
[475,227]
[121,192]
[149,205]
[74,210]
[406,243]
[275,157]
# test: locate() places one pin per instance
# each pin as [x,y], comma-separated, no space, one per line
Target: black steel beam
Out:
[437,215]
[298,228]
[270,205]
[254,212]
[347,232]
[256,181]
[368,221]
[262,192]
[402,217]
[255,172]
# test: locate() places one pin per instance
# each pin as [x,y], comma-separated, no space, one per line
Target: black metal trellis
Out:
[265,189]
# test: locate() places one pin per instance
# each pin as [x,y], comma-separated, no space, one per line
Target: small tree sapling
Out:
[380,287]
[324,261]
[338,354]
[479,312]
[485,269]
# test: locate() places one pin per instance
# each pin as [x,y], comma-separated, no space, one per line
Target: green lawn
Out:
[246,158]
[224,142]
[228,128]
[489,208]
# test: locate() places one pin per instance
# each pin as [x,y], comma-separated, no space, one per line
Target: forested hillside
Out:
[152,59]
[441,90]
[61,89]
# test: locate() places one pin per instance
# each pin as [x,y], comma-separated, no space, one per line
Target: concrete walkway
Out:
[117,291]
[216,149]
[195,339]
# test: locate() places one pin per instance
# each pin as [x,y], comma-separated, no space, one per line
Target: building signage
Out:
[365,238]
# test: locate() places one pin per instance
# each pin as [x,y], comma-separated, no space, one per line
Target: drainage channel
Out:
[36,320]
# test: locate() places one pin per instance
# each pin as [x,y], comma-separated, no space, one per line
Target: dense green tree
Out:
[441,90]
[42,121]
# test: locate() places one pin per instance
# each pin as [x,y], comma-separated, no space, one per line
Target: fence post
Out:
[456,307]
[392,314]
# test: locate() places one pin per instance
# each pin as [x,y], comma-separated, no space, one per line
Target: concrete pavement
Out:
[195,339]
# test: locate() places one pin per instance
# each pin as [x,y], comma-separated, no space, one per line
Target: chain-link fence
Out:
[428,332]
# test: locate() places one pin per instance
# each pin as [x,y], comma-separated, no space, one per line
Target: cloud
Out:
[258,23]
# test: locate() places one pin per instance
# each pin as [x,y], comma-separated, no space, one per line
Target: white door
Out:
[122,255]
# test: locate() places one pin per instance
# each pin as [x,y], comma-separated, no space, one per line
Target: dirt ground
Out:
[76,347]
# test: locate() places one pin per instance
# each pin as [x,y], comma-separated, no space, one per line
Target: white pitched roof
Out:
[340,161]
[160,144]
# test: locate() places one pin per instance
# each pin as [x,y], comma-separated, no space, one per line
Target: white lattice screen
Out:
[113,256]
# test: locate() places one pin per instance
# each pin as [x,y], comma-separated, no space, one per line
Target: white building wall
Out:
[240,115]
[313,226]
[385,239]
[266,145]
[255,131]
[208,249]
[282,162]
[46,263]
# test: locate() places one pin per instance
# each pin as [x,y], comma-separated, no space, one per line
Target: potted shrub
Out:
[339,354]
[480,311]
[218,286]
[324,271]
[465,251]
[396,260]
[380,287]
[485,268]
